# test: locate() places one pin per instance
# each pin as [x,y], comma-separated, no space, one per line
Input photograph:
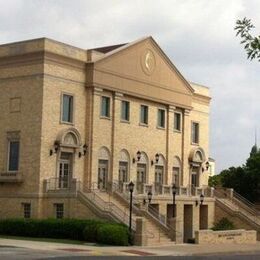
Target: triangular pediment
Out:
[142,68]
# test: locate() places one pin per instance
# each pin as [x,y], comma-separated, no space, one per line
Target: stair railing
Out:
[245,203]
[241,203]
[92,196]
[154,214]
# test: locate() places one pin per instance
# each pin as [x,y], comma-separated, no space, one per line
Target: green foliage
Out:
[251,43]
[243,179]
[223,224]
[112,235]
[215,180]
[85,230]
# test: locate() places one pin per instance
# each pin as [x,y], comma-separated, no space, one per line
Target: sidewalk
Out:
[172,250]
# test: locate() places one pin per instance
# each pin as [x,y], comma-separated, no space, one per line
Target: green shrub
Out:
[111,234]
[75,229]
[224,224]
[90,231]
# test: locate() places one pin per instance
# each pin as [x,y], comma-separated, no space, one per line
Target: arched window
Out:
[142,174]
[70,139]
[198,157]
[123,171]
[176,171]
[159,178]
[103,168]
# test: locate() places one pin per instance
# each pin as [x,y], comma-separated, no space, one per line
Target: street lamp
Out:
[149,195]
[131,189]
[201,199]
[173,199]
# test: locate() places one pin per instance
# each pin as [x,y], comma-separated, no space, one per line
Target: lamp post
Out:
[149,195]
[173,199]
[201,199]
[131,189]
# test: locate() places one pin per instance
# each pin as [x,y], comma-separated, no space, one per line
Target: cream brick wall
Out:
[27,122]
[40,80]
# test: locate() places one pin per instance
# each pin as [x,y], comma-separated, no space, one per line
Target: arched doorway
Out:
[69,142]
[103,168]
[196,158]
[159,177]
[142,174]
[123,170]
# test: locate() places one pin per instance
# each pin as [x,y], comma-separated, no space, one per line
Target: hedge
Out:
[75,229]
[223,224]
[113,235]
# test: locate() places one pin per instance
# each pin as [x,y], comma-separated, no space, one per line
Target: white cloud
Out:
[197,35]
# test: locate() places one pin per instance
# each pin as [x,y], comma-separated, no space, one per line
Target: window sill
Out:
[196,144]
[143,124]
[105,117]
[66,123]
[177,131]
[124,121]
[160,128]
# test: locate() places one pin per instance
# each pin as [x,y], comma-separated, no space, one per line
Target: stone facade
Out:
[239,236]
[34,76]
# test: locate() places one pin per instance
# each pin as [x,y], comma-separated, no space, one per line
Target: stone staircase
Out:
[155,234]
[114,207]
[238,206]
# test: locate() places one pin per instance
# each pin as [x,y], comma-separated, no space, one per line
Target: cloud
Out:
[197,35]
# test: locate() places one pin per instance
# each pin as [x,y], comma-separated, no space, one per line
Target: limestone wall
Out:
[239,236]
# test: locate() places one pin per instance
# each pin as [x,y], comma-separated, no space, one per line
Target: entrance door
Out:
[102,174]
[188,223]
[158,179]
[64,171]
[194,179]
[141,178]
[123,172]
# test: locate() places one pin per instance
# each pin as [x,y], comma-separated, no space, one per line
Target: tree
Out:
[243,179]
[251,43]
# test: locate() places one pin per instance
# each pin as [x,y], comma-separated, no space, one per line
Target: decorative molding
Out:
[13,135]
[187,112]
[172,108]
[148,62]
[97,91]
[118,95]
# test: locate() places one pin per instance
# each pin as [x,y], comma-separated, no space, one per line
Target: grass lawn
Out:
[54,240]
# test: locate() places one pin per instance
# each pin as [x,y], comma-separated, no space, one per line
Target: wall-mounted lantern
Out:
[56,147]
[157,157]
[207,165]
[138,156]
[84,150]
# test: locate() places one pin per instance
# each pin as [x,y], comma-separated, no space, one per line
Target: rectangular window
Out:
[177,121]
[144,115]
[59,207]
[105,106]
[125,111]
[67,108]
[161,118]
[195,132]
[13,157]
[26,210]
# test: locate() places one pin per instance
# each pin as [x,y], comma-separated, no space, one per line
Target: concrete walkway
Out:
[88,249]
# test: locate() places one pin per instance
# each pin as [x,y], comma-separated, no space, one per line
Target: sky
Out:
[198,36]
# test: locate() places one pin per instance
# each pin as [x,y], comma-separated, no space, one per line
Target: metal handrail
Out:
[249,205]
[250,214]
[110,207]
[161,218]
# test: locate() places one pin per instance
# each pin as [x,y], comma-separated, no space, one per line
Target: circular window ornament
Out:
[148,62]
